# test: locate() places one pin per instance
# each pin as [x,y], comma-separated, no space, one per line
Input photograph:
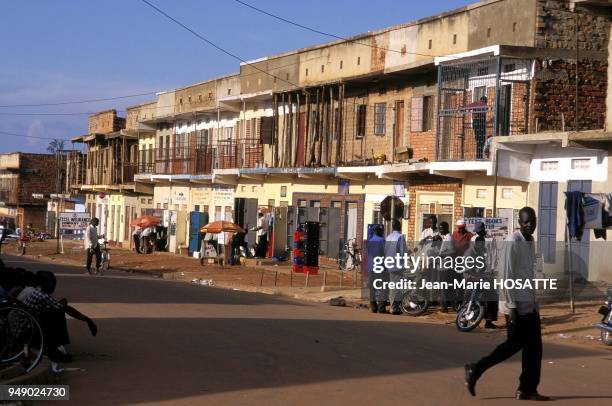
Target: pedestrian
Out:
[429,233]
[92,246]
[443,246]
[480,248]
[262,235]
[145,240]
[479,125]
[51,314]
[136,238]
[376,249]
[522,314]
[461,237]
[395,244]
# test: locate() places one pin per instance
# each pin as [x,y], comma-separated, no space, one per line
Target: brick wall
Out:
[105,122]
[555,95]
[555,27]
[38,174]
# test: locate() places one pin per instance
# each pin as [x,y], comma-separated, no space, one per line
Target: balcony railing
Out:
[202,159]
[479,99]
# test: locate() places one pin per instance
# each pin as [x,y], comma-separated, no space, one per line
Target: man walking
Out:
[395,244]
[522,315]
[92,246]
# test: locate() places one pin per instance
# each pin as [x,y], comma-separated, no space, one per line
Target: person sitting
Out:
[51,314]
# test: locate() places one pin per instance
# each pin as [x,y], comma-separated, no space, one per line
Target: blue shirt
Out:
[395,243]
[376,248]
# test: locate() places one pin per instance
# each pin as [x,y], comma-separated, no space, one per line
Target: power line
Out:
[327,34]
[209,42]
[31,136]
[79,101]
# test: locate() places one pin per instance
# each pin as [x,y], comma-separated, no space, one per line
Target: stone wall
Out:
[555,27]
[105,122]
[554,98]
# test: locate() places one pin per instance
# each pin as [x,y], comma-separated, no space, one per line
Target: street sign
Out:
[74,221]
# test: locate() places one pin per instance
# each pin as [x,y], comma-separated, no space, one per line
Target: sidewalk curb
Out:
[41,375]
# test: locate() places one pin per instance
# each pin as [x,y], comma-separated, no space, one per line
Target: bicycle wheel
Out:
[414,303]
[21,338]
[469,317]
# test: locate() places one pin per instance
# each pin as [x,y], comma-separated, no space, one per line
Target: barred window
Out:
[380,110]
[360,130]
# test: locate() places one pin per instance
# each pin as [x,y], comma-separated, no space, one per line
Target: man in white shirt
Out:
[429,233]
[522,314]
[92,246]
[262,235]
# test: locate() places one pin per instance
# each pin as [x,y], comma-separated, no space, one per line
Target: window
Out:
[380,110]
[481,193]
[301,203]
[509,67]
[253,188]
[151,201]
[271,203]
[229,91]
[479,92]
[143,200]
[283,191]
[514,27]
[336,204]
[358,60]
[341,63]
[549,166]
[483,70]
[306,71]
[428,113]
[181,101]
[360,130]
[489,32]
[177,144]
[581,163]
[430,43]
[507,193]
[287,76]
[189,99]
[322,68]
[315,203]
[454,39]
[200,97]
[243,188]
[196,207]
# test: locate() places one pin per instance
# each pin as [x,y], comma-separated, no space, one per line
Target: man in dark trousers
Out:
[376,248]
[522,314]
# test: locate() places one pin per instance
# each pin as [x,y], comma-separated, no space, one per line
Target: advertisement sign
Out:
[74,221]
[497,227]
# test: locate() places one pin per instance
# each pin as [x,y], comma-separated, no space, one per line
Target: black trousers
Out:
[136,238]
[90,254]
[524,334]
[378,295]
[55,331]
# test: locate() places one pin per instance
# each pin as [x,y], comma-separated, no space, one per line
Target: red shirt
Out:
[462,242]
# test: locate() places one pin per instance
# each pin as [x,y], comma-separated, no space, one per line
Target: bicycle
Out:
[350,258]
[105,255]
[21,337]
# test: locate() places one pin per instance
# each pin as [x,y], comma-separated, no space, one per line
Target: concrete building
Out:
[108,184]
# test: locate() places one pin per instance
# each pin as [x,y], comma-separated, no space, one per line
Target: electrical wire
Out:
[79,101]
[327,34]
[211,43]
[30,136]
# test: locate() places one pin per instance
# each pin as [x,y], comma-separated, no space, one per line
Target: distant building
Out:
[26,180]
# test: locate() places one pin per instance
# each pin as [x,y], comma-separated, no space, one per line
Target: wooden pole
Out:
[275,278]
[324,279]
[291,279]
[307,278]
[261,280]
[341,277]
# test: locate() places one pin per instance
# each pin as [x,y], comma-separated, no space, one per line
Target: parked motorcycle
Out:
[606,322]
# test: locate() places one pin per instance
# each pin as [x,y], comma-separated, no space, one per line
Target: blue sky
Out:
[63,50]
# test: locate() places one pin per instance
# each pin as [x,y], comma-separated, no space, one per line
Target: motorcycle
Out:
[606,322]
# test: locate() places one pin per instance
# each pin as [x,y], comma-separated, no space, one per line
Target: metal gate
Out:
[478,99]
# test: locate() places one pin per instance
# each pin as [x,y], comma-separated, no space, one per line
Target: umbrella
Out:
[217,227]
[145,221]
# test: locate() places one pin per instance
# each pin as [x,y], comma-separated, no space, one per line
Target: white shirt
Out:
[146,232]
[91,237]
[518,262]
[262,226]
